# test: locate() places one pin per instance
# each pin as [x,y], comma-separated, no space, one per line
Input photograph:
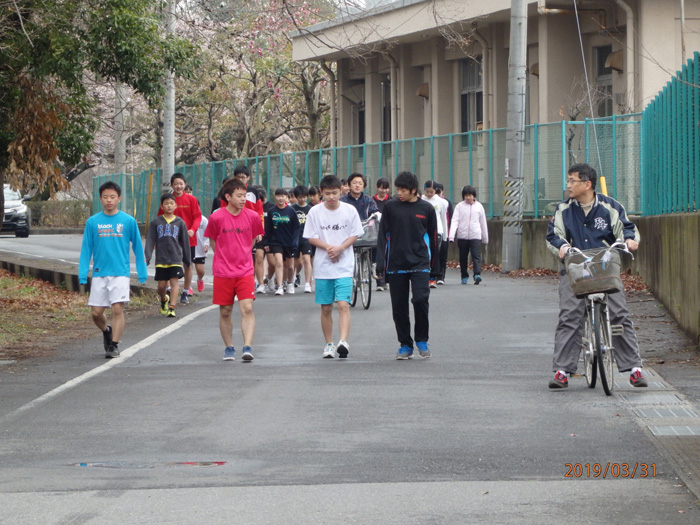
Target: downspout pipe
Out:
[629,52]
[393,84]
[486,75]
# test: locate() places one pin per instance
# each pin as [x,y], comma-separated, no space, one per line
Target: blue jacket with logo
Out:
[605,223]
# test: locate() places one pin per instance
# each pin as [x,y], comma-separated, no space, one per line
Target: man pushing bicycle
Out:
[590,220]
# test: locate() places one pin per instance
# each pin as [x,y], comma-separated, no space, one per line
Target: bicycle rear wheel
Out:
[604,350]
[355,280]
[590,370]
[365,279]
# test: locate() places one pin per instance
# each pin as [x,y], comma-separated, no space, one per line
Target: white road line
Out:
[126,354]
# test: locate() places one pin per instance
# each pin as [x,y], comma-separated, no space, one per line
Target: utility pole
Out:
[120,102]
[515,139]
[168,161]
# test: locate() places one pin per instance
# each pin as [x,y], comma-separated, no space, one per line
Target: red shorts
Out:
[228,288]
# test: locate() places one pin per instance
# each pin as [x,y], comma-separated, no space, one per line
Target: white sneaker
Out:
[307,288]
[260,289]
[329,351]
[290,287]
[280,291]
[271,286]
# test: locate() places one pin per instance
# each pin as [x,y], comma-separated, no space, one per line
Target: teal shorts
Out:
[329,291]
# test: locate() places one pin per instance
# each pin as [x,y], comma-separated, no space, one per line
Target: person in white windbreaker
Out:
[469,228]
[440,206]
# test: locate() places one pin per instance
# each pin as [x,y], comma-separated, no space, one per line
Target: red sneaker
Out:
[200,286]
[638,379]
[560,381]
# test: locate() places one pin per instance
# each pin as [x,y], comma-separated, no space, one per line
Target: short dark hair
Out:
[330,182]
[430,184]
[167,196]
[262,194]
[178,176]
[231,185]
[356,175]
[439,187]
[313,190]
[585,172]
[111,185]
[468,190]
[188,187]
[300,191]
[407,180]
[343,182]
[383,183]
[281,191]
[241,169]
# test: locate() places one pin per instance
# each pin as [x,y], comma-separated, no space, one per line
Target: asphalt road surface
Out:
[170,433]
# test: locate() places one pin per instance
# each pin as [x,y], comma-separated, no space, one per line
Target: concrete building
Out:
[417,68]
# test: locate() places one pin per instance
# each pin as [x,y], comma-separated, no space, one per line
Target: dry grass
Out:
[36,316]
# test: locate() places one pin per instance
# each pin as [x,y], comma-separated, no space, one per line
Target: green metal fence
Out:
[477,158]
[671,139]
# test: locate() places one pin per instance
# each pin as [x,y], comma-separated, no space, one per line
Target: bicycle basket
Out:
[594,271]
[371,231]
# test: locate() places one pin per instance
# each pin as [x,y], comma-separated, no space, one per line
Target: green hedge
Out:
[60,214]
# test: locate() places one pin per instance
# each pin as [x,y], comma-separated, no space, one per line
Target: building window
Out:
[472,95]
[603,81]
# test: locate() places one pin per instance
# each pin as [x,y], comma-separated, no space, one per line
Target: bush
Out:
[60,214]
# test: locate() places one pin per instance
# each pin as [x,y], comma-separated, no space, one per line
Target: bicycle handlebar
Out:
[618,244]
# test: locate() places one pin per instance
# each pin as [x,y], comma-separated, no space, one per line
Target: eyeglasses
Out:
[574,181]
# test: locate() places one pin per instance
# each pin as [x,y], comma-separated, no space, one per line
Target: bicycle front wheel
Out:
[604,349]
[365,279]
[355,280]
[590,371]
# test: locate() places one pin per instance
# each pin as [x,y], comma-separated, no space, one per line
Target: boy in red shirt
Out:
[232,232]
[188,210]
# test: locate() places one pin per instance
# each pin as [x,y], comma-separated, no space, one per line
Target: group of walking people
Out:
[411,255]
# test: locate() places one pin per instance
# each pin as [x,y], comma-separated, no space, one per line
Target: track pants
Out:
[400,284]
[466,246]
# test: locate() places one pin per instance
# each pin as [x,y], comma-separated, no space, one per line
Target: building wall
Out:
[553,45]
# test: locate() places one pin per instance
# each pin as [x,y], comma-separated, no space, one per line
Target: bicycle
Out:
[362,273]
[593,275]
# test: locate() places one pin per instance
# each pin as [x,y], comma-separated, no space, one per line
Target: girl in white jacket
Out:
[469,228]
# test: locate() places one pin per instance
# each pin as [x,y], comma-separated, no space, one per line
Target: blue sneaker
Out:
[247,354]
[477,279]
[405,352]
[423,349]
[465,280]
[230,354]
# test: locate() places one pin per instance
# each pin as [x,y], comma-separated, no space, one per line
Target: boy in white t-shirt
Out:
[333,227]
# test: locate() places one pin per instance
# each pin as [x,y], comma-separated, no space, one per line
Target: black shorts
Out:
[306,248]
[192,252]
[199,260]
[287,251]
[171,272]
[258,246]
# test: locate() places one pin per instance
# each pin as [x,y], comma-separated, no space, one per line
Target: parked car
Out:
[17,217]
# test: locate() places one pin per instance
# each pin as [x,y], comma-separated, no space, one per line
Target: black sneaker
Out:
[112,351]
[107,337]
[184,299]
[343,349]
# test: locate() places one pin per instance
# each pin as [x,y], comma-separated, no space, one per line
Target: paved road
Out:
[169,433]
